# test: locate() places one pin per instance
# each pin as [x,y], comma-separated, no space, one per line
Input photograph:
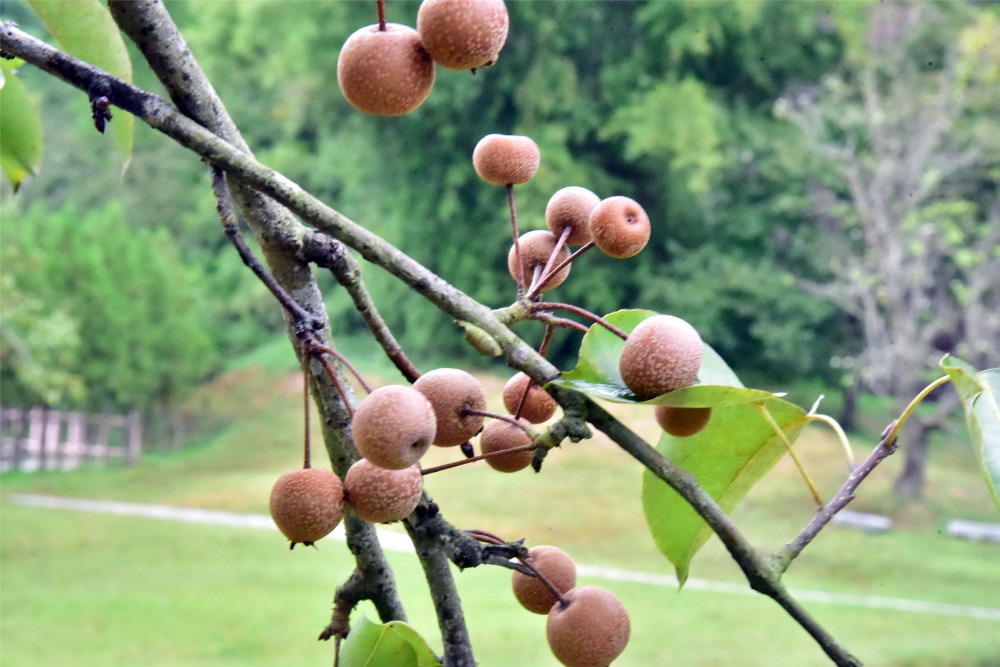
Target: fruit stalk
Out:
[582,312]
[480,457]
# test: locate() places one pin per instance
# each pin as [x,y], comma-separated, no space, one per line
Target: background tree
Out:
[910,209]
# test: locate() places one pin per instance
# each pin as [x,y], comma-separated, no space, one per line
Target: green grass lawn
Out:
[90,589]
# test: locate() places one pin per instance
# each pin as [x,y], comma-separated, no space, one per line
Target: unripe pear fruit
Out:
[307,504]
[591,630]
[536,247]
[378,495]
[662,354]
[538,405]
[393,426]
[506,159]
[682,422]
[452,391]
[571,207]
[385,72]
[556,566]
[499,435]
[463,34]
[620,227]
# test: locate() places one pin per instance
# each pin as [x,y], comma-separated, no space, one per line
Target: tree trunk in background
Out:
[849,412]
[910,483]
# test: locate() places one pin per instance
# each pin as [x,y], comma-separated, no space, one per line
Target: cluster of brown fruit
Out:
[664,353]
[574,215]
[387,69]
[393,427]
[587,626]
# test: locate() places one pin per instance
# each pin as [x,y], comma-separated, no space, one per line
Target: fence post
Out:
[133,445]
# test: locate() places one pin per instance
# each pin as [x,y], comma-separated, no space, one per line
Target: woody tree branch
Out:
[287,238]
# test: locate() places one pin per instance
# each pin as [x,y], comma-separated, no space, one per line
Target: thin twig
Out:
[231,227]
[529,562]
[784,557]
[332,254]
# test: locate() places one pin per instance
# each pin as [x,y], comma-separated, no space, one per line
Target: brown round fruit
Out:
[571,207]
[386,73]
[536,247]
[591,630]
[556,565]
[451,391]
[307,504]
[378,495]
[499,435]
[682,422]
[538,405]
[620,227]
[463,34]
[662,354]
[394,426]
[506,159]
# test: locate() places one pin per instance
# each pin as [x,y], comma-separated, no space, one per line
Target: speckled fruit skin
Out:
[450,390]
[571,207]
[591,631]
[307,504]
[500,434]
[538,406]
[557,567]
[662,354]
[463,34]
[377,495]
[393,426]
[682,422]
[620,227]
[536,247]
[385,73]
[506,159]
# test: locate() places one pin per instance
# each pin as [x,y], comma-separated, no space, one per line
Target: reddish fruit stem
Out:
[512,208]
[495,415]
[559,267]
[582,313]
[305,409]
[337,385]
[381,15]
[323,349]
[480,457]
[548,272]
[543,348]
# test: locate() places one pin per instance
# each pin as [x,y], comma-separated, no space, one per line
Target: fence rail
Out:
[43,439]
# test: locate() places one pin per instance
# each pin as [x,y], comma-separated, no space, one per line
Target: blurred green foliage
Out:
[669,103]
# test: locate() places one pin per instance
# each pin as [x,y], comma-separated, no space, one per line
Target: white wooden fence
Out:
[43,439]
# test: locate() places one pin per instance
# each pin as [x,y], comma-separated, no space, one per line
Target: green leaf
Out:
[980,394]
[20,128]
[85,29]
[737,448]
[596,373]
[394,644]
